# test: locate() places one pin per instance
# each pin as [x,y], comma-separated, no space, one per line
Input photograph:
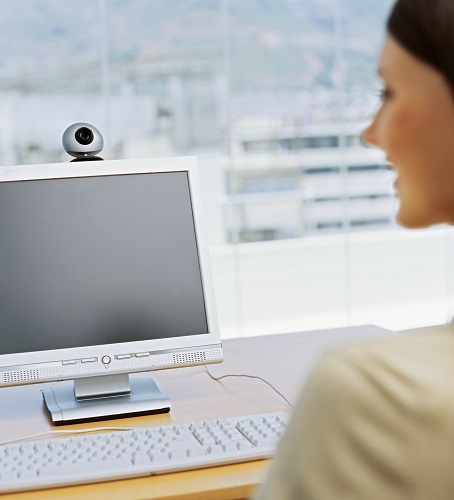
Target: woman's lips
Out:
[390,164]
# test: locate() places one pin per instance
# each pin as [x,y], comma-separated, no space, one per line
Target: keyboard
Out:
[106,456]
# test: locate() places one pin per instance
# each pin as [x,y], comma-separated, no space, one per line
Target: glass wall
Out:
[270,95]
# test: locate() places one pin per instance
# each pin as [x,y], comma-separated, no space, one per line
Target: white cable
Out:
[97,429]
[249,376]
[68,431]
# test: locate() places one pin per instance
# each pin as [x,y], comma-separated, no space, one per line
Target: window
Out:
[271,97]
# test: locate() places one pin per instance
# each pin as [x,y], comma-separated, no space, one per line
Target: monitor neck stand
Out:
[102,398]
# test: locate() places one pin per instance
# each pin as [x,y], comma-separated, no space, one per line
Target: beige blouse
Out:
[375,422]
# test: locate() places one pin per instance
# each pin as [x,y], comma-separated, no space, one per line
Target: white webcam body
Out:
[82,140]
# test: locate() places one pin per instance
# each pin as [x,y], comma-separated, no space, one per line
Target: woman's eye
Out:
[384,94]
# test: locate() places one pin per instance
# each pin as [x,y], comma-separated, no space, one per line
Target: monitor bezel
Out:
[48,365]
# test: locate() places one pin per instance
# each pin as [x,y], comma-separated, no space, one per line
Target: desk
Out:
[284,360]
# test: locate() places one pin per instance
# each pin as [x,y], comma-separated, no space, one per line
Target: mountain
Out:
[261,44]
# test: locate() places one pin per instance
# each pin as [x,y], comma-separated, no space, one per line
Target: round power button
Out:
[106,360]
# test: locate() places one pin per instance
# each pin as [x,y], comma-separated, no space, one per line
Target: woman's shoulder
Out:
[416,365]
[427,345]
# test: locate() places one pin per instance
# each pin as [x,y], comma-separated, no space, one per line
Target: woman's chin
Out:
[410,220]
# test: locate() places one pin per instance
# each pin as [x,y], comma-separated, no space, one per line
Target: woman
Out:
[376,420]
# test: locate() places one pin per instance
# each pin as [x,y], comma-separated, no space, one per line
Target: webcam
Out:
[83,141]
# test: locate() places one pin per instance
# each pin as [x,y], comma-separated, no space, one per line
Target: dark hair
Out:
[426,29]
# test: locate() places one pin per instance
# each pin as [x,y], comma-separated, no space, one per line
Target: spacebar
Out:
[90,470]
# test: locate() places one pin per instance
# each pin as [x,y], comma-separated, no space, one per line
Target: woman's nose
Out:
[367,136]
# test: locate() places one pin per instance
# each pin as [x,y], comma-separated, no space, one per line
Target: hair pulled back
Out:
[426,29]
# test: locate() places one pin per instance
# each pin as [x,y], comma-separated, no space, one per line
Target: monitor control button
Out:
[89,360]
[123,356]
[106,360]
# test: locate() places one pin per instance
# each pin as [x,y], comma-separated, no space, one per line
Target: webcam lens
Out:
[84,136]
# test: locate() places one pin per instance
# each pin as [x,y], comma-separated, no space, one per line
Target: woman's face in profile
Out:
[415,128]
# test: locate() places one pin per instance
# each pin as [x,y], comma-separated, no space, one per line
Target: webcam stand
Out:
[87,158]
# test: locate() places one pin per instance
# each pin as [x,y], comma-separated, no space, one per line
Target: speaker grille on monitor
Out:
[190,357]
[20,376]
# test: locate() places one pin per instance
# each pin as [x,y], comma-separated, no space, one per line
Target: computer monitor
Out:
[104,271]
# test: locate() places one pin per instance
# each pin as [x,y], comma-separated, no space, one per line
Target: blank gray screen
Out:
[98,260]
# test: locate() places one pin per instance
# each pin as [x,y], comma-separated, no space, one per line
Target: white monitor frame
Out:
[128,357]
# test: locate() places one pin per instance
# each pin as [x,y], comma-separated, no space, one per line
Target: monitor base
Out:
[144,398]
